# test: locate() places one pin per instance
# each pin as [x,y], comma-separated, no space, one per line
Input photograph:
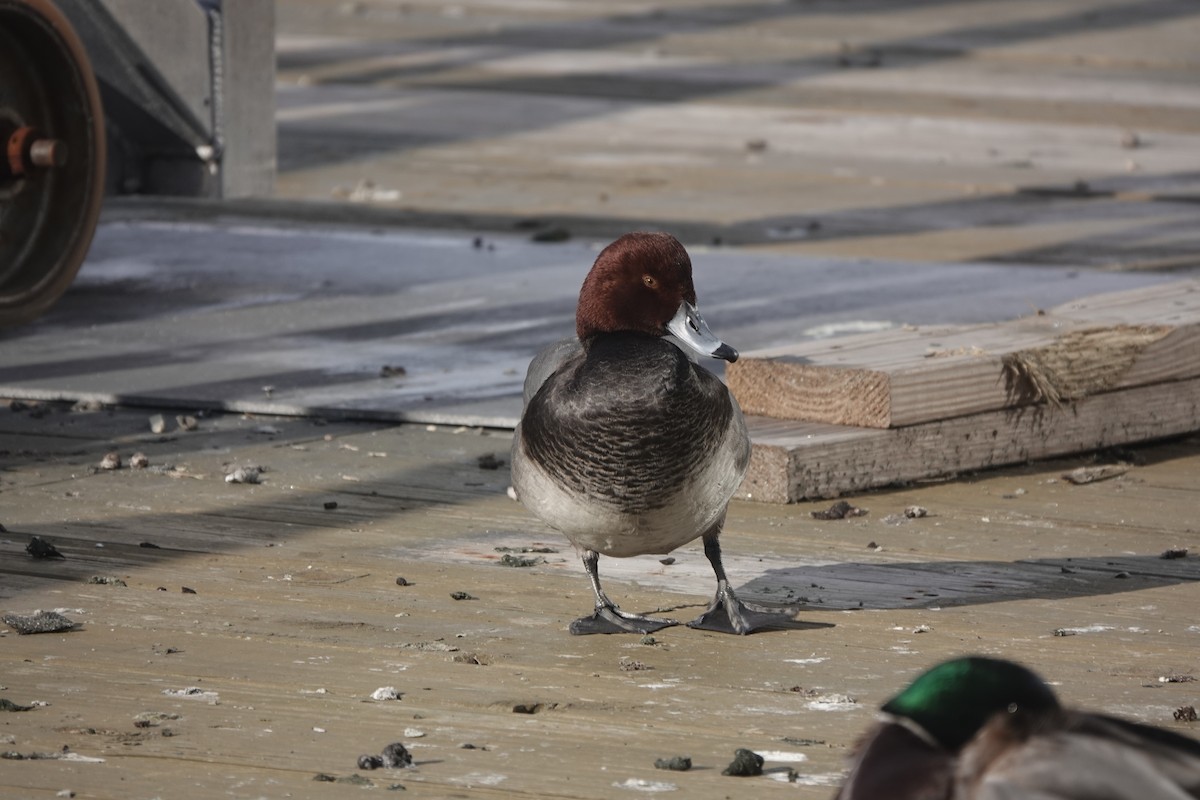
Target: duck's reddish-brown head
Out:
[643,282]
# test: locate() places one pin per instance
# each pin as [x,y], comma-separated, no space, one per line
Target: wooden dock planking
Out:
[914,375]
[297,618]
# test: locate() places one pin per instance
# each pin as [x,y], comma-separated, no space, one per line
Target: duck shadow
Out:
[845,586]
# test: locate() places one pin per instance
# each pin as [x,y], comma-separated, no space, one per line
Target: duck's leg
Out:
[726,613]
[607,618]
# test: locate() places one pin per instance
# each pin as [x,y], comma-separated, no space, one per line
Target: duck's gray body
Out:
[629,447]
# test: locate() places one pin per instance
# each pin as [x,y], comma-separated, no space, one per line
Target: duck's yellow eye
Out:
[650,281]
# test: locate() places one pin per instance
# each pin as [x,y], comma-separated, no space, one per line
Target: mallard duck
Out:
[626,445]
[980,728]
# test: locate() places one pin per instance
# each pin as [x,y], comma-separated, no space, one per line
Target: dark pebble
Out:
[1121,575]
[1174,552]
[402,582]
[149,545]
[396,755]
[489,461]
[463,596]
[325,777]
[330,505]
[40,548]
[745,763]
[674,763]
[369,762]
[187,590]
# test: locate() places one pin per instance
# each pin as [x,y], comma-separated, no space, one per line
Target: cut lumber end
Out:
[788,388]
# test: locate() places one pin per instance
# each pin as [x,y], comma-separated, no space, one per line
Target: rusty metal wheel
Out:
[51,157]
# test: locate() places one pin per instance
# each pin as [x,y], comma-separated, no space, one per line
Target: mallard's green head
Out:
[953,700]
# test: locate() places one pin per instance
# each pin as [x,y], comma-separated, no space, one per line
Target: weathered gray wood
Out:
[916,375]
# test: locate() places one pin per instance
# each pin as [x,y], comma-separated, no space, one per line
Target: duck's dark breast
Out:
[628,424]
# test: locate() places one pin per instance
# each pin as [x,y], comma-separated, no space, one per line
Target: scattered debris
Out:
[916,512]
[157,423]
[509,560]
[39,622]
[1104,472]
[246,474]
[87,406]
[392,371]
[525,550]
[187,422]
[1064,632]
[40,548]
[840,510]
[745,763]
[139,460]
[472,658]
[527,708]
[396,755]
[463,596]
[674,763]
[150,719]
[648,640]
[1186,714]
[370,762]
[111,460]
[414,733]
[330,505]
[489,461]
[922,628]
[385,693]
[1174,552]
[633,665]
[106,580]
[9,705]
[194,693]
[1176,678]
[324,777]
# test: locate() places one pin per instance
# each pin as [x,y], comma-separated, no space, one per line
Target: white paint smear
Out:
[782,755]
[639,785]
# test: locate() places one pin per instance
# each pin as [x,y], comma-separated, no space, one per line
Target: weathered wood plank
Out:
[916,375]
[793,460]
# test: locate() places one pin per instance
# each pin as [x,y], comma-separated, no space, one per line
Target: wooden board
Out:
[794,460]
[919,374]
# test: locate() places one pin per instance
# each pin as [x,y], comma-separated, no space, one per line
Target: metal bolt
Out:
[48,153]
[27,149]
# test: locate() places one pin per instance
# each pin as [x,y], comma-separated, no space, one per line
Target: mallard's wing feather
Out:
[1079,756]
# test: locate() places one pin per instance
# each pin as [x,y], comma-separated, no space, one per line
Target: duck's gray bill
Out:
[690,328]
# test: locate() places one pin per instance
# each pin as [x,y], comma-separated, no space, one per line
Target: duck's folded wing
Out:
[547,362]
[1092,757]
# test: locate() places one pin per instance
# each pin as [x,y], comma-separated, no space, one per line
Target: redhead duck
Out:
[626,445]
[980,728]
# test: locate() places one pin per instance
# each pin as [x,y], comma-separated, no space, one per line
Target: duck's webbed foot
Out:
[610,619]
[607,618]
[729,614]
